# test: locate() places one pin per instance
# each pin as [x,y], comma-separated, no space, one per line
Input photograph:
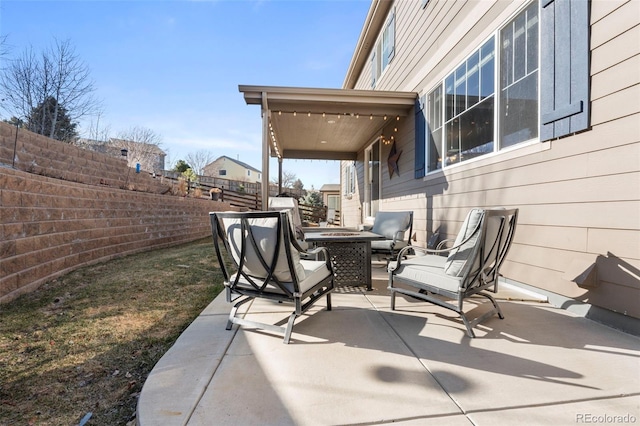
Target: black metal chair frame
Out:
[476,281]
[241,287]
[390,254]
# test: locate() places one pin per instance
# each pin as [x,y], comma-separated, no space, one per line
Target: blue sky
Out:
[174,66]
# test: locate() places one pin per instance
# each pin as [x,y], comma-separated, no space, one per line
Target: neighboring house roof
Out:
[148,147]
[330,187]
[238,162]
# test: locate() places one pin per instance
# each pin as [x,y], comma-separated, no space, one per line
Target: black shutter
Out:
[420,126]
[564,67]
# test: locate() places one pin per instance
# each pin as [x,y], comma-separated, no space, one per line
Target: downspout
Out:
[265,151]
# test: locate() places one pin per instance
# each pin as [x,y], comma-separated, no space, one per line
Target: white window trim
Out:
[521,150]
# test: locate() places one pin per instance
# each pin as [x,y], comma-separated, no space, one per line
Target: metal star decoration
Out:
[392,160]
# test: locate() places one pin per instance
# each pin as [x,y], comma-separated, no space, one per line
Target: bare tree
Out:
[97,133]
[57,73]
[143,146]
[197,160]
[288,179]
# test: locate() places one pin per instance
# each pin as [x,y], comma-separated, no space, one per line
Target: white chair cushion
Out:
[460,260]
[389,224]
[315,271]
[385,245]
[428,272]
[290,205]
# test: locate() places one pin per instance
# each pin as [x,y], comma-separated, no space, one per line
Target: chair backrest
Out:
[393,225]
[288,204]
[331,216]
[500,227]
[461,259]
[259,245]
[482,245]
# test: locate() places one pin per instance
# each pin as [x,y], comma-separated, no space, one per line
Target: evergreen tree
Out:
[49,114]
[181,166]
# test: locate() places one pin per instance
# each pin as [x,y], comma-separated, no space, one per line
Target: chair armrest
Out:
[295,244]
[402,252]
[325,253]
[442,244]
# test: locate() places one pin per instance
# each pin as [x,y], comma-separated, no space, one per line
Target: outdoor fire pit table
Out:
[350,253]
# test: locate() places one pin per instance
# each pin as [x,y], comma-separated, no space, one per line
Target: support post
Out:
[279,175]
[265,151]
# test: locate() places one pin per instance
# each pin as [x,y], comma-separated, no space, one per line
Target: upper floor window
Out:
[384,49]
[248,172]
[222,172]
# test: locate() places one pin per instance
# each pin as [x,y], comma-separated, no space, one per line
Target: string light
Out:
[339,115]
[324,114]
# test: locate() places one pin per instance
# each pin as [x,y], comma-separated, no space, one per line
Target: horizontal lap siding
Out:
[579,196]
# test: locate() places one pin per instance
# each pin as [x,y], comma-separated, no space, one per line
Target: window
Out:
[333,202]
[519,79]
[468,106]
[222,172]
[248,172]
[461,112]
[457,119]
[384,49]
[349,180]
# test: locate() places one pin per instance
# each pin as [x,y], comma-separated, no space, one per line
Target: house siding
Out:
[234,170]
[579,196]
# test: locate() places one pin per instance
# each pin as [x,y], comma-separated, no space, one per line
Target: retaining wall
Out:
[50,226]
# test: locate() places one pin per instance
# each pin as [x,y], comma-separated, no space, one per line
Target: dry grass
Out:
[85,343]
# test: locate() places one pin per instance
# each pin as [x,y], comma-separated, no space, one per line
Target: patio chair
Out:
[393,226]
[471,267]
[258,260]
[291,204]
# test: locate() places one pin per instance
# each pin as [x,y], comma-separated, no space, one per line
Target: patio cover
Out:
[322,124]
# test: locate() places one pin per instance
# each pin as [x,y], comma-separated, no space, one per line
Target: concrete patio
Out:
[364,364]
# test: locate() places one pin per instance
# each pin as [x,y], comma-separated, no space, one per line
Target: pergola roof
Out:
[325,124]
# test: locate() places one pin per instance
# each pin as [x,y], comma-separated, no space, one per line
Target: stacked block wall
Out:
[70,211]
[41,155]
